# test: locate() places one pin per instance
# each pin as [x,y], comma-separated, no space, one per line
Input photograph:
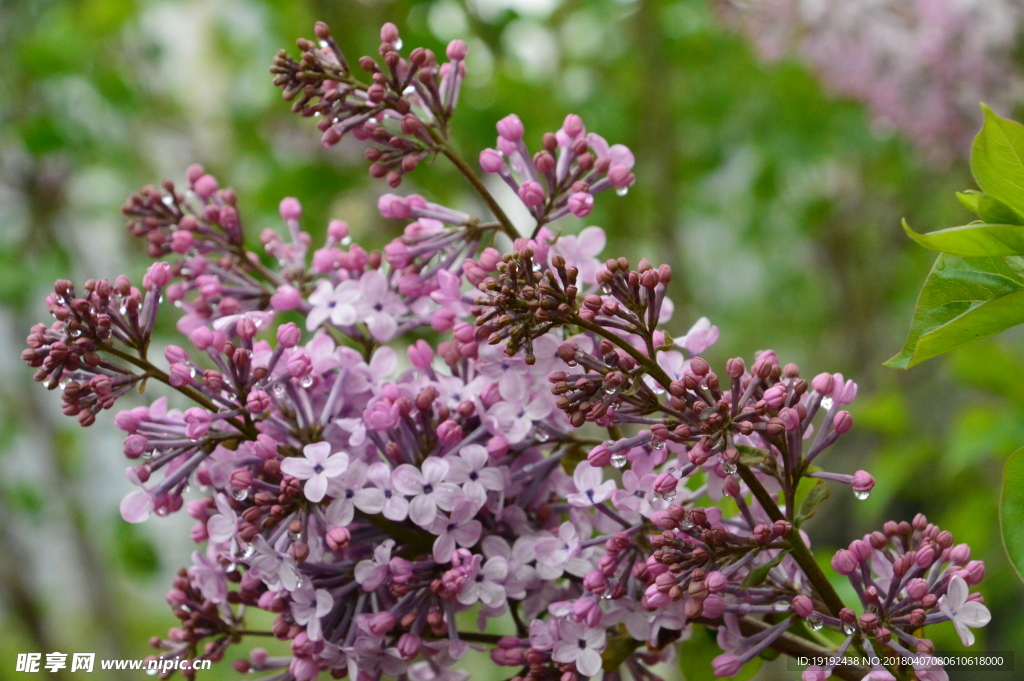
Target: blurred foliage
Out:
[777,205]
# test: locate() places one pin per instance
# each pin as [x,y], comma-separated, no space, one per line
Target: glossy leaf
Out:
[997,159]
[1011,510]
[977,239]
[751,456]
[760,573]
[963,299]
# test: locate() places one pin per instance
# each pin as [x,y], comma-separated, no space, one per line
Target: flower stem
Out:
[801,554]
[478,185]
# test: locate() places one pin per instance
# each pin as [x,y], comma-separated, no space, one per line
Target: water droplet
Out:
[162,511]
[622,191]
[347,241]
[780,607]
[408,91]
[151,672]
[178,304]
[686,523]
[248,551]
[848,629]
[541,435]
[240,494]
[192,372]
[657,444]
[322,44]
[398,43]
[373,120]
[537,267]
[668,496]
[124,308]
[658,390]
[606,596]
[826,403]
[306,381]
[618,460]
[279,389]
[608,390]
[572,363]
[63,383]
[862,494]
[60,300]
[728,467]
[294,536]
[168,200]
[814,622]
[606,289]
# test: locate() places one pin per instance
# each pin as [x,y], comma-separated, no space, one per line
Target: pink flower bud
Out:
[620,176]
[960,554]
[180,375]
[917,588]
[726,664]
[573,126]
[421,354]
[497,447]
[775,396]
[394,207]
[665,483]
[803,606]
[409,646]
[450,432]
[205,186]
[531,193]
[174,354]
[338,538]
[580,204]
[863,482]
[510,128]
[182,241]
[844,562]
[735,367]
[290,209]
[822,384]
[158,276]
[491,161]
[135,446]
[240,478]
[714,606]
[389,33]
[286,298]
[975,572]
[814,673]
[790,417]
[595,582]
[246,328]
[457,50]
[599,456]
[289,335]
[299,365]
[860,549]
[201,337]
[258,401]
[842,422]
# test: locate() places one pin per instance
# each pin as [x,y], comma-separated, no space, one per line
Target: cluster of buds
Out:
[403,110]
[563,178]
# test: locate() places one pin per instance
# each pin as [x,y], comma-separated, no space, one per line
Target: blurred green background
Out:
[776,202]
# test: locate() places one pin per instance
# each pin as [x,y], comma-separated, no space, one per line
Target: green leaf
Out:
[978,238]
[997,159]
[751,456]
[963,299]
[819,493]
[988,209]
[1011,510]
[757,576]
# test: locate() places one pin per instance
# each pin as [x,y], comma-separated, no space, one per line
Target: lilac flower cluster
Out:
[559,462]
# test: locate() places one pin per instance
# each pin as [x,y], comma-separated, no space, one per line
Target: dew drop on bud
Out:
[606,289]
[848,629]
[572,363]
[306,381]
[814,622]
[322,44]
[658,444]
[541,435]
[63,383]
[409,90]
[826,403]
[347,241]
[863,494]
[622,191]
[398,44]
[240,494]
[781,606]
[669,496]
[728,467]
[294,536]
[618,460]
[608,389]
[607,596]
[279,389]
[151,671]
[686,523]
[249,551]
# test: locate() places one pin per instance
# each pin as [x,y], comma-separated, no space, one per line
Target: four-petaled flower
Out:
[317,468]
[580,645]
[965,614]
[590,489]
[428,488]
[469,468]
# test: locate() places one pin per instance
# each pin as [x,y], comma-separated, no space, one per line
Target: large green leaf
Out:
[818,493]
[963,299]
[997,159]
[1011,510]
[975,239]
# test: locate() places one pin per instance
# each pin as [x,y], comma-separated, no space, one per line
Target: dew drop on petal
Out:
[248,551]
